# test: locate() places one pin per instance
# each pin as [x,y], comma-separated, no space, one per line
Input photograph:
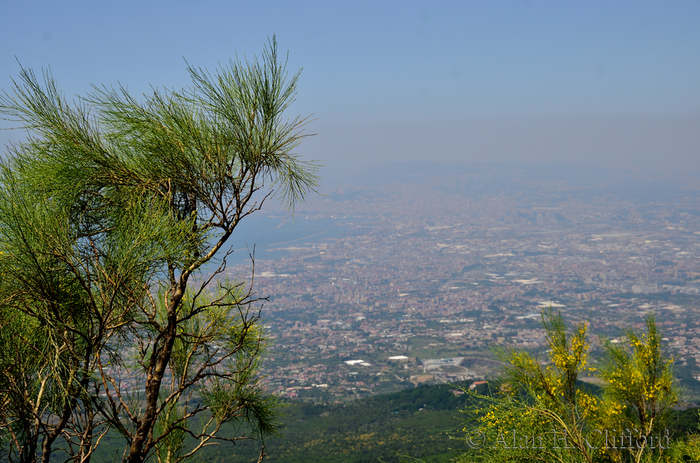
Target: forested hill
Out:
[413,422]
[385,428]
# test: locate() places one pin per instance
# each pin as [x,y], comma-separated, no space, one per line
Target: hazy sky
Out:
[610,83]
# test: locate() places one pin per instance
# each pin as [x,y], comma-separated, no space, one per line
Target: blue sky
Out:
[595,83]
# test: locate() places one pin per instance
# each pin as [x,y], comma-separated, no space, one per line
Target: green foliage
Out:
[542,413]
[386,428]
[641,379]
[109,212]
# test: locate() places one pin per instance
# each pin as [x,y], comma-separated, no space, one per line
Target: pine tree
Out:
[110,212]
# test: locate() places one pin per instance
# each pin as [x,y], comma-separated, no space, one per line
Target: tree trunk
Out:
[161,357]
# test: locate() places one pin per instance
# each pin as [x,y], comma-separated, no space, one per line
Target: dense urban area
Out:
[415,279]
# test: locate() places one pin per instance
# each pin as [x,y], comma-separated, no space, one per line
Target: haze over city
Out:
[462,145]
[600,84]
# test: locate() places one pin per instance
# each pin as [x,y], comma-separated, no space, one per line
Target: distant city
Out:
[413,274]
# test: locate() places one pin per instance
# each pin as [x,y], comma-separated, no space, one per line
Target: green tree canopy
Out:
[109,213]
[543,413]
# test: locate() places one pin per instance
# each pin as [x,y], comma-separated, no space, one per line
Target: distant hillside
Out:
[385,428]
[413,422]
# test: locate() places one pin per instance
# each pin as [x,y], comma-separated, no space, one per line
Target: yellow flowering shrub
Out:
[541,412]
